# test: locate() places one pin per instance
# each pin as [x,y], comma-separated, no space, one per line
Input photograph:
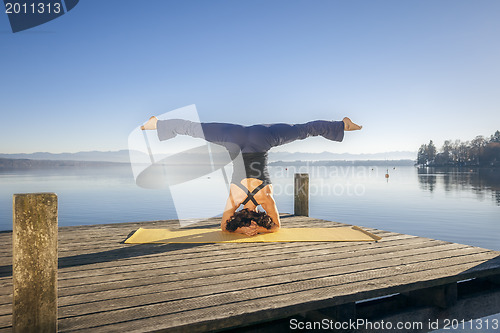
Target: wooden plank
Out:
[88,269]
[179,260]
[218,267]
[7,301]
[221,260]
[215,253]
[181,290]
[100,237]
[6,309]
[70,250]
[107,243]
[187,280]
[6,323]
[214,222]
[146,280]
[7,268]
[213,312]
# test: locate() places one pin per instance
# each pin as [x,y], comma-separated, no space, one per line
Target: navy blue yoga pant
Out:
[250,139]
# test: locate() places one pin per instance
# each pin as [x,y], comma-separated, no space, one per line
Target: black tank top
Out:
[254,166]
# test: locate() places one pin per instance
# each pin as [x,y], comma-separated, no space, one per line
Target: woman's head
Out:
[244,218]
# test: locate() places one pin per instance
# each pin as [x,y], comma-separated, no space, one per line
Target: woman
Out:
[250,185]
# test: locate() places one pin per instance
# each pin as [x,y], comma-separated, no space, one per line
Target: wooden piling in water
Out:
[301,194]
[34,265]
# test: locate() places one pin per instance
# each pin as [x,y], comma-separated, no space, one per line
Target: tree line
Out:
[480,151]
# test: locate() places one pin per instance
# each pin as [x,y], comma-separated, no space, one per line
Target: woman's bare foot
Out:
[150,124]
[350,126]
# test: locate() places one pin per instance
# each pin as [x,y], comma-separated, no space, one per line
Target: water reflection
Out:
[482,182]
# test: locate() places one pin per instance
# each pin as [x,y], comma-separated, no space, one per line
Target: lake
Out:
[460,206]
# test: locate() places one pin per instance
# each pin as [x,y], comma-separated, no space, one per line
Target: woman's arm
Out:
[264,196]
[267,202]
[228,211]
[236,196]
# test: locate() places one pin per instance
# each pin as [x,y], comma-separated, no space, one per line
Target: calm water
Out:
[461,207]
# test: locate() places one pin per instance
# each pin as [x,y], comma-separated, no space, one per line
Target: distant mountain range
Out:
[24,163]
[122,156]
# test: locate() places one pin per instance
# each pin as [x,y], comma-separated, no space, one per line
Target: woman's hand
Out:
[252,230]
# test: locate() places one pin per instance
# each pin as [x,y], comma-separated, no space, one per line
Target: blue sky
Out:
[407,71]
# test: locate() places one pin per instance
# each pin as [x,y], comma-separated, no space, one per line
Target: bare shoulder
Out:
[265,193]
[236,193]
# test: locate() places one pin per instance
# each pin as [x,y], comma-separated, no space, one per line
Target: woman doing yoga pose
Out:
[250,185]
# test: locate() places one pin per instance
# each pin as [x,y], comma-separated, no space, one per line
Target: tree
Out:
[476,147]
[455,151]
[446,156]
[490,156]
[431,152]
[422,156]
[463,153]
[478,152]
[495,137]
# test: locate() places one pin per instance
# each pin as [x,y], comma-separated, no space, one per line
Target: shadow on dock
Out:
[130,251]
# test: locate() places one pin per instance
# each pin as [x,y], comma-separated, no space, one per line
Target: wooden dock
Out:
[107,286]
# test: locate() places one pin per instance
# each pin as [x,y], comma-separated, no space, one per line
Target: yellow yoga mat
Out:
[340,234]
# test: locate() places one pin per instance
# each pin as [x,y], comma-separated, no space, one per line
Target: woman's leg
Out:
[279,134]
[221,133]
[262,136]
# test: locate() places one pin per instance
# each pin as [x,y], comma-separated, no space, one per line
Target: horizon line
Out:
[289,152]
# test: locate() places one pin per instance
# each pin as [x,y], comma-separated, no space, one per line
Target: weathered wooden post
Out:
[34,265]
[301,195]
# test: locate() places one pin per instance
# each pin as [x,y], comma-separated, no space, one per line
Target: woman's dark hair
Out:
[244,218]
